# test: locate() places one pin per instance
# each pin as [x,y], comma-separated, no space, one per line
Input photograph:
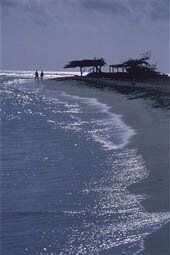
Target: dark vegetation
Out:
[132,69]
[95,64]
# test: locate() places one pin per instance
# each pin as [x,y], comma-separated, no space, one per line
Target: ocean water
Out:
[66,165]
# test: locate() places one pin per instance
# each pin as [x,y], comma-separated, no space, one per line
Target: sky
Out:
[46,34]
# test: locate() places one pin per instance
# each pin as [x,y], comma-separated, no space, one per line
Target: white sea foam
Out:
[95,119]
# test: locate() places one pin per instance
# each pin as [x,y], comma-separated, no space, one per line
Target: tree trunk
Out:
[81,71]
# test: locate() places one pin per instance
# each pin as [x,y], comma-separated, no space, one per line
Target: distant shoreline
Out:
[159,85]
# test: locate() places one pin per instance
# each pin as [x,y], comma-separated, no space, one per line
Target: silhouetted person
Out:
[42,75]
[36,75]
[133,83]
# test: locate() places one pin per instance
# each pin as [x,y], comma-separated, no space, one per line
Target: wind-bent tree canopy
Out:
[138,68]
[96,64]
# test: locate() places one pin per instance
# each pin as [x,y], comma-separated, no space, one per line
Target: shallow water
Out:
[66,166]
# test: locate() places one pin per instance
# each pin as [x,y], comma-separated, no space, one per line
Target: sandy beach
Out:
[157,85]
[144,108]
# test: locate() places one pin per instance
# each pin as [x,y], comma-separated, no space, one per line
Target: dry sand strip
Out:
[163,86]
[158,85]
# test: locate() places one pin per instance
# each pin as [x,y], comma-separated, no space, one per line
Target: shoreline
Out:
[159,85]
[156,185]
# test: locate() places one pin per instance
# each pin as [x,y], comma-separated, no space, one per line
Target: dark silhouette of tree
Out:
[95,63]
[140,67]
[146,55]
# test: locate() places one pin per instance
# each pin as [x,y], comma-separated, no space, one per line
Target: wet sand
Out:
[147,111]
